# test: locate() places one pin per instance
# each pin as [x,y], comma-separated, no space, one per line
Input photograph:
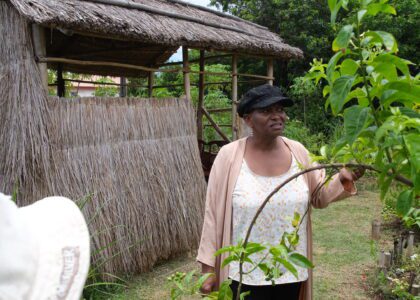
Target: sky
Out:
[178,55]
[199,2]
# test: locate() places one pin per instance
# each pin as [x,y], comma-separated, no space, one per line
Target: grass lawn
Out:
[342,254]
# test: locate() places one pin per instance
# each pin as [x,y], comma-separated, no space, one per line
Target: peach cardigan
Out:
[217,227]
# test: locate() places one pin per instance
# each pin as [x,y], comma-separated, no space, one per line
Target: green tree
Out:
[306,24]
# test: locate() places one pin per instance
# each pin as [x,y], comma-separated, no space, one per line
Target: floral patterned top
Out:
[276,218]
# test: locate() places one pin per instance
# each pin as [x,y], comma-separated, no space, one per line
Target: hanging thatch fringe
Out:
[24,154]
[140,159]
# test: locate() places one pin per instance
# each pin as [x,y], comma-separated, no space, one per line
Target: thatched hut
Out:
[137,157]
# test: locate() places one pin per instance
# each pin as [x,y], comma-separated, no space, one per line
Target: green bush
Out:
[309,107]
[296,130]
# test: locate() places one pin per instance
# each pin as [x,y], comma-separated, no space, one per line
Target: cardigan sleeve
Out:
[208,244]
[331,191]
[321,194]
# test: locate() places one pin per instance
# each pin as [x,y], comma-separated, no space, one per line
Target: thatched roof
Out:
[167,24]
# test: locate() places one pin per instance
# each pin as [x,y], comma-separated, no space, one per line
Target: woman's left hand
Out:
[347,177]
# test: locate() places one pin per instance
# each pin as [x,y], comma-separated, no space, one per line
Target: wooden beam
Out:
[220,125]
[186,71]
[213,123]
[174,63]
[40,49]
[230,74]
[61,87]
[219,110]
[43,59]
[270,71]
[150,81]
[200,96]
[230,82]
[235,123]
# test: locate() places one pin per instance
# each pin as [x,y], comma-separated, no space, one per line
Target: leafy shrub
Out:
[309,107]
[296,130]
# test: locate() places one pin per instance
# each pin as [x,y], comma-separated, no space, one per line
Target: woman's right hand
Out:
[210,283]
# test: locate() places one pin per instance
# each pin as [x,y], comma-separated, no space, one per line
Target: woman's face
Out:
[269,121]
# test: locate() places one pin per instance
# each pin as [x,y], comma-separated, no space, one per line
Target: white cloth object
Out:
[44,250]
[276,218]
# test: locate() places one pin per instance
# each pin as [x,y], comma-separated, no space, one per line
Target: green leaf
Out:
[412,142]
[390,96]
[300,260]
[229,259]
[296,218]
[243,295]
[279,250]
[331,65]
[375,8]
[361,14]
[253,248]
[224,250]
[288,266]
[412,91]
[334,8]
[324,151]
[387,70]
[263,267]
[343,38]
[349,67]
[409,112]
[340,89]
[404,202]
[355,118]
[388,58]
[385,38]
[225,292]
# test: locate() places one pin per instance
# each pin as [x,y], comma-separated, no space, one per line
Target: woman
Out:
[243,174]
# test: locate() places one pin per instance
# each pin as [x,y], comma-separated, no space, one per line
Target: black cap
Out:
[260,97]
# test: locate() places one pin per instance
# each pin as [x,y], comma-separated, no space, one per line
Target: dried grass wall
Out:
[24,154]
[139,157]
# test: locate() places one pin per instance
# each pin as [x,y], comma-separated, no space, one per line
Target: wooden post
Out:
[150,81]
[123,87]
[396,248]
[381,261]
[200,104]
[186,70]
[40,49]
[270,71]
[236,126]
[376,230]
[215,126]
[410,244]
[415,290]
[387,261]
[61,88]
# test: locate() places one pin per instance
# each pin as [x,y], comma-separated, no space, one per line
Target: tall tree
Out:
[306,24]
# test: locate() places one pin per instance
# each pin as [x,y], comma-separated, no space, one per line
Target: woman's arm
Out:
[210,284]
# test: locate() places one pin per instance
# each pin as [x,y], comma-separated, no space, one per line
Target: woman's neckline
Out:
[274,176]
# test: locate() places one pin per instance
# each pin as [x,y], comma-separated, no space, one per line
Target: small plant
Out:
[412,218]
